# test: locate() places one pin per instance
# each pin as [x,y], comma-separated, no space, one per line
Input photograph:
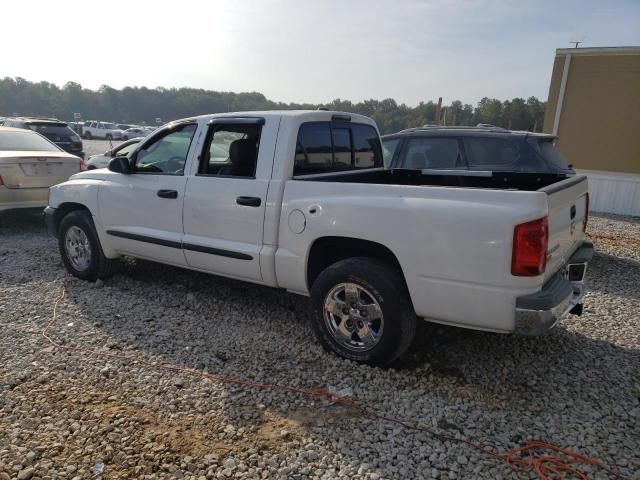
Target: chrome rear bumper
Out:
[536,314]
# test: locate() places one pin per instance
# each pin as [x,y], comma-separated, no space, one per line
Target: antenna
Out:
[576,41]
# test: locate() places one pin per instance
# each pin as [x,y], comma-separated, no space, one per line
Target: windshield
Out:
[25,141]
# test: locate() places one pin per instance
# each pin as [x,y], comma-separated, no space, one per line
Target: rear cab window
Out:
[328,147]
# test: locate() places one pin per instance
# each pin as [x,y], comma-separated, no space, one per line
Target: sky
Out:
[309,50]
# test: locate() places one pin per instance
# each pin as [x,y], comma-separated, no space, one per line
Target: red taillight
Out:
[83,166]
[530,248]
[585,219]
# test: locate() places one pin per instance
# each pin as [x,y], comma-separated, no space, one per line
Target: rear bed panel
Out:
[454,244]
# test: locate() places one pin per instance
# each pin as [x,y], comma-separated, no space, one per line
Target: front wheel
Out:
[80,248]
[362,311]
[88,136]
[108,137]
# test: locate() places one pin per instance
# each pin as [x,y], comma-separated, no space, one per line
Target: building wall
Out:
[599,127]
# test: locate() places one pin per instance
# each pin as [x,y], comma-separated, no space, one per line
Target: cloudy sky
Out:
[310,50]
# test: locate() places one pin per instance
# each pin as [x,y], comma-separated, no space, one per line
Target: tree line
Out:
[141,105]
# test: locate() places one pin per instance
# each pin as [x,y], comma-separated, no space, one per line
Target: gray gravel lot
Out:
[95,147]
[61,413]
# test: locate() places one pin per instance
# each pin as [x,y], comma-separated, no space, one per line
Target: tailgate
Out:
[568,204]
[37,169]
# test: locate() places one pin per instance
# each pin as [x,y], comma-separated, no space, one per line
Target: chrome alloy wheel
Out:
[78,248]
[353,317]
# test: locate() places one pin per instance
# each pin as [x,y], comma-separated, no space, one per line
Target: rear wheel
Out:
[80,248]
[362,311]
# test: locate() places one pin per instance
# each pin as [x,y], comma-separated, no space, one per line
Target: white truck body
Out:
[453,244]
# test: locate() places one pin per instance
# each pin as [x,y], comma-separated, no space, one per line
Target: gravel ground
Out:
[95,147]
[61,413]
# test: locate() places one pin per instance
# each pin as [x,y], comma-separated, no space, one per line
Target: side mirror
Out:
[119,165]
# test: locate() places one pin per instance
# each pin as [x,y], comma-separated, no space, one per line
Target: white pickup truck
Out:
[299,200]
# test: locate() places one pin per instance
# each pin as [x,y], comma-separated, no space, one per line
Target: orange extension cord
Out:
[548,461]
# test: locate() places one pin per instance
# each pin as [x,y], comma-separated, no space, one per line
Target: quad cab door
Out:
[224,205]
[142,210]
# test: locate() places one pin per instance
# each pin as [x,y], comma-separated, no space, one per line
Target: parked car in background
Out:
[29,165]
[134,132]
[299,200]
[150,129]
[484,148]
[102,130]
[102,160]
[56,131]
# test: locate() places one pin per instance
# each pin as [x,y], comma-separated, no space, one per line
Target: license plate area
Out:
[575,272]
[40,169]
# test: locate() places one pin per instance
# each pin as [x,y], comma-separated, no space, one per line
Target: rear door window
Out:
[491,153]
[231,150]
[325,147]
[439,153]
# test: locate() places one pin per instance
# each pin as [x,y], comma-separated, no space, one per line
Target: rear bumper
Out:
[15,198]
[539,312]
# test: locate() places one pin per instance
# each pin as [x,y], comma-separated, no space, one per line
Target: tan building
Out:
[594,109]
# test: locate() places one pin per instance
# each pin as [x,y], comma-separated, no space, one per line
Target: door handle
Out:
[249,201]
[167,193]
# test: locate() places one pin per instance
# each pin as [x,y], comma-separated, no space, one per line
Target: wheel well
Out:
[329,250]
[65,208]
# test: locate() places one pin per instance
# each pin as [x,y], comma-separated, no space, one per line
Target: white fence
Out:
[613,192]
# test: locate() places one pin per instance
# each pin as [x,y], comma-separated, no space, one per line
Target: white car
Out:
[298,200]
[101,130]
[102,160]
[134,132]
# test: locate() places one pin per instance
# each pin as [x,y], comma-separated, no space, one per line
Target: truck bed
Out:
[444,178]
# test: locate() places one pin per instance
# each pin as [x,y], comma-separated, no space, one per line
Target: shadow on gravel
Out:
[27,221]
[518,372]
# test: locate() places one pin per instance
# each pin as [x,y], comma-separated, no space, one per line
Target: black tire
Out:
[91,167]
[388,289]
[87,135]
[108,137]
[99,266]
